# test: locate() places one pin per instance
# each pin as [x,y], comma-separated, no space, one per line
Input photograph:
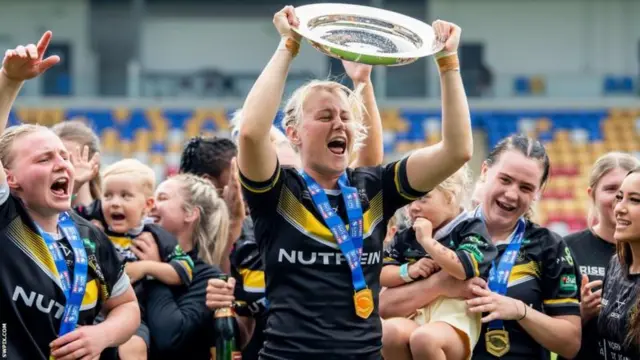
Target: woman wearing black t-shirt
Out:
[540,309]
[619,319]
[179,320]
[322,280]
[593,248]
[57,271]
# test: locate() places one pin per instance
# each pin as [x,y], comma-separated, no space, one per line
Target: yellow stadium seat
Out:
[121,115]
[110,140]
[392,121]
[543,125]
[538,86]
[142,141]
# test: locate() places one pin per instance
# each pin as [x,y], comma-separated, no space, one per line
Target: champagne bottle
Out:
[226,333]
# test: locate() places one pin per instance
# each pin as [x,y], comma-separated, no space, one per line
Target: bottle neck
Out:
[224,312]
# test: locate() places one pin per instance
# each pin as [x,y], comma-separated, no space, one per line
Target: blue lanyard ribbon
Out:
[73,294]
[350,242]
[499,275]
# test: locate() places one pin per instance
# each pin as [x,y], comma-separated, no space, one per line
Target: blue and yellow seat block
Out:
[574,138]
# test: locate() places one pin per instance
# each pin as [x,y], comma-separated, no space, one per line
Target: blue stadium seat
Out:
[522,86]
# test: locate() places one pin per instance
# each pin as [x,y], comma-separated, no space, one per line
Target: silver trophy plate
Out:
[366,34]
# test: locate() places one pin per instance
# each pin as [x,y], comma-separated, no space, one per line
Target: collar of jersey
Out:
[133,232]
[479,214]
[445,230]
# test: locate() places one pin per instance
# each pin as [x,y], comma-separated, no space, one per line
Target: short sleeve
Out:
[396,191]
[560,279]
[8,210]
[262,197]
[394,251]
[475,251]
[111,266]
[182,264]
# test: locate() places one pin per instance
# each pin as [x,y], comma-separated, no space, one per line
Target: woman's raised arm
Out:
[256,154]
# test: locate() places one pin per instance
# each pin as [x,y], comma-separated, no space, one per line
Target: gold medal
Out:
[363,300]
[497,342]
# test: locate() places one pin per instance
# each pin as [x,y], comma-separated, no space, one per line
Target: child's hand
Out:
[423,228]
[422,268]
[135,270]
[145,247]
[85,169]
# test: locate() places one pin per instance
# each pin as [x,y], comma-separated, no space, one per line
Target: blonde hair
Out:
[606,163]
[136,168]
[212,227]
[10,135]
[457,187]
[293,109]
[78,132]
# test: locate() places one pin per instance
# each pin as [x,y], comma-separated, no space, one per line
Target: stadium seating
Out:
[574,140]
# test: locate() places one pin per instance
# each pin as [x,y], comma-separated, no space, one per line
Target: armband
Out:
[404,273]
[291,45]
[448,62]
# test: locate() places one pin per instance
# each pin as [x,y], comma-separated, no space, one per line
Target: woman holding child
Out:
[530,304]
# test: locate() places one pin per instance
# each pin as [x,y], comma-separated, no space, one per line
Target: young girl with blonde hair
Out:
[444,236]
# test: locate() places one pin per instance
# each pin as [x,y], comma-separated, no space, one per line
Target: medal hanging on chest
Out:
[350,242]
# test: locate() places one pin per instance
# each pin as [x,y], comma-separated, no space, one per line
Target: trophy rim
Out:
[425,32]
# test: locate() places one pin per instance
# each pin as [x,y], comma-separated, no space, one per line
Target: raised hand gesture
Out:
[26,62]
[358,73]
[449,34]
[85,169]
[284,20]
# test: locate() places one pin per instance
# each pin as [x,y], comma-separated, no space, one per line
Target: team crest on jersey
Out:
[568,284]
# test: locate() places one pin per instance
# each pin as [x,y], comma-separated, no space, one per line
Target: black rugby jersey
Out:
[308,281]
[468,239]
[592,254]
[247,269]
[31,299]
[181,325]
[170,251]
[545,277]
[619,297]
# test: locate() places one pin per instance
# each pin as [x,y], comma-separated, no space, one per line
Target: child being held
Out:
[127,198]
[443,237]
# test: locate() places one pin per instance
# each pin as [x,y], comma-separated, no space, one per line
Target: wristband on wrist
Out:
[525,312]
[404,273]
[447,62]
[290,44]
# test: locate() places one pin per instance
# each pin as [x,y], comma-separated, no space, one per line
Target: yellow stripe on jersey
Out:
[33,245]
[523,270]
[186,267]
[121,242]
[305,221]
[252,280]
[474,263]
[396,180]
[90,298]
[561,301]
[263,189]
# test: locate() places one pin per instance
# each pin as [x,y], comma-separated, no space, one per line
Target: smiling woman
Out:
[619,319]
